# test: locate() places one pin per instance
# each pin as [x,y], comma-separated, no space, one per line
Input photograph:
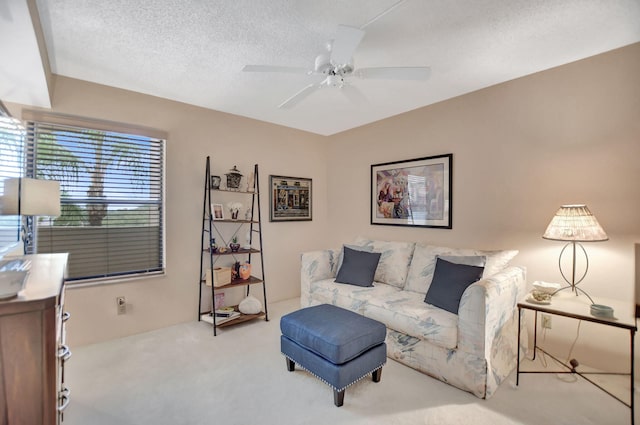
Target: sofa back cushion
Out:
[395,258]
[423,263]
[358,267]
[450,280]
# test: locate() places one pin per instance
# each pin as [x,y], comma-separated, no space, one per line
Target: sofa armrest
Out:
[316,265]
[486,306]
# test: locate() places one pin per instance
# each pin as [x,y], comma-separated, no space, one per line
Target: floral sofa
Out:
[473,350]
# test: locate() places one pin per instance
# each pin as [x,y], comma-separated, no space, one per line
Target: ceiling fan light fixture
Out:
[322,63]
[334,80]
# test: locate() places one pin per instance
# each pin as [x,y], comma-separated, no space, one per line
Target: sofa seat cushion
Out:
[348,296]
[406,312]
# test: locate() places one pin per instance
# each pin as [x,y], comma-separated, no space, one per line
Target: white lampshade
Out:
[23,196]
[575,223]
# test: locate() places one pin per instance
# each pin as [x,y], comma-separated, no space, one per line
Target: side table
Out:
[568,305]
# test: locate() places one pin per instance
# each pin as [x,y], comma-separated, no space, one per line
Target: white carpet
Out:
[183,375]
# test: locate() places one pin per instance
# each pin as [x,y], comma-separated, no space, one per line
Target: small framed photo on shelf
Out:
[414,192]
[219,301]
[290,198]
[217,211]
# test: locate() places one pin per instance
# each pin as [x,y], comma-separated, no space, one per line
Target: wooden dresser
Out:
[32,346]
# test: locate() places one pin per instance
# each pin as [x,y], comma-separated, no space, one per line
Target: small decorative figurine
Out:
[250,182]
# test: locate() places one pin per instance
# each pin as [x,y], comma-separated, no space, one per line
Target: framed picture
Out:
[415,192]
[219,301]
[289,198]
[218,211]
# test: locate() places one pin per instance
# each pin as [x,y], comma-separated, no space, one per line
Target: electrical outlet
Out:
[121,304]
[546,321]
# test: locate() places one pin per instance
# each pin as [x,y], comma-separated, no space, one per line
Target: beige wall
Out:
[520,150]
[194,133]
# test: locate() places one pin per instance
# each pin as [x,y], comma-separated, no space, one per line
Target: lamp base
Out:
[573,283]
[575,289]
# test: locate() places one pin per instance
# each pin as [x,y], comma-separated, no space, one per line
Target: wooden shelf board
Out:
[237,282]
[206,317]
[246,192]
[228,220]
[240,251]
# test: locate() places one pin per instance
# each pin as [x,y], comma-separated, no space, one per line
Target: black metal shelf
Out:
[213,228]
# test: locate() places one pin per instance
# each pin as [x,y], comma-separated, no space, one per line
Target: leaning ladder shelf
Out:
[213,228]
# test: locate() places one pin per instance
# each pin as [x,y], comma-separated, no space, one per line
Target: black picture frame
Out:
[290,198]
[414,192]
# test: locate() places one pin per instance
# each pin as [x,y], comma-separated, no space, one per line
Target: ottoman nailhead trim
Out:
[320,378]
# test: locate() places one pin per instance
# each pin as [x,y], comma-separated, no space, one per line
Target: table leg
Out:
[535,334]
[631,403]
[518,348]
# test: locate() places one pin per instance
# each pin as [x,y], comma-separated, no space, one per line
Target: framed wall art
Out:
[414,192]
[289,198]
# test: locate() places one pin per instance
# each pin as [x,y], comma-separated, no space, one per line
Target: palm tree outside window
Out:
[112,192]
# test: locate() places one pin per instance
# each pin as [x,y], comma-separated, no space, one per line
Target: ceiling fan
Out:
[336,67]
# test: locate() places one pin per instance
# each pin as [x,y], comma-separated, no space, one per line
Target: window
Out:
[11,166]
[112,193]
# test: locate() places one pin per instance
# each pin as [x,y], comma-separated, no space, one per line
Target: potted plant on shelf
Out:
[234,245]
[234,208]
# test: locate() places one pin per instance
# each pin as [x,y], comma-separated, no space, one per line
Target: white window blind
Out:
[11,166]
[112,193]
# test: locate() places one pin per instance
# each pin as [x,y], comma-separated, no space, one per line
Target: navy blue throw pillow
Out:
[449,283]
[358,267]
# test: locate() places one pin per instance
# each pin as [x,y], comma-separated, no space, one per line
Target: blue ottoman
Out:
[336,345]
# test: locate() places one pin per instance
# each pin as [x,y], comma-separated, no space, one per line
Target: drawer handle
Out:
[64,353]
[63,399]
[66,316]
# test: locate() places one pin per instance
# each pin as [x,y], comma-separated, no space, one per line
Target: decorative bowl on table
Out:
[539,297]
[547,287]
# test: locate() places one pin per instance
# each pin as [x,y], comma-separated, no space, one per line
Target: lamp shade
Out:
[34,197]
[575,223]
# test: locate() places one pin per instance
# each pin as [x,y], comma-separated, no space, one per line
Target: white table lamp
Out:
[28,198]
[574,224]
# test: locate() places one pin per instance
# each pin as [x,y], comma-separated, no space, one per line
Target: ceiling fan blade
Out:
[345,44]
[270,68]
[353,94]
[296,98]
[395,73]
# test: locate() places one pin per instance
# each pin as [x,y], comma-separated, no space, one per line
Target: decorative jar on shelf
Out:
[234,245]
[214,247]
[233,178]
[245,271]
[250,305]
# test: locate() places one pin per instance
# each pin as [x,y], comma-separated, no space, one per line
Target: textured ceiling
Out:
[193,51]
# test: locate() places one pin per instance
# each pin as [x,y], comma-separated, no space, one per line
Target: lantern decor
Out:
[233,178]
